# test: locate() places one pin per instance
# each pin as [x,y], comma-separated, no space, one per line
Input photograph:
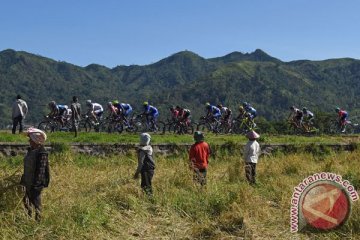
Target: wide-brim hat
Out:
[36,135]
[252,135]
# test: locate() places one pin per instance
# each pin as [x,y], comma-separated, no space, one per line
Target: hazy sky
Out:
[117,32]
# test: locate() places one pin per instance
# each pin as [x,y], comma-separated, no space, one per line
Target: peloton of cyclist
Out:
[60,111]
[151,113]
[296,116]
[184,115]
[342,118]
[212,112]
[94,111]
[225,112]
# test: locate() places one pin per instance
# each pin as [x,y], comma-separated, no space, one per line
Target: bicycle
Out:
[88,124]
[49,124]
[209,124]
[242,125]
[144,125]
[52,124]
[336,128]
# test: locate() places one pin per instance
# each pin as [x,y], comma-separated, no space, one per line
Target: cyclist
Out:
[225,112]
[174,113]
[296,116]
[125,110]
[184,115]
[242,113]
[249,110]
[342,118]
[113,111]
[308,116]
[94,111]
[213,112]
[151,113]
[59,111]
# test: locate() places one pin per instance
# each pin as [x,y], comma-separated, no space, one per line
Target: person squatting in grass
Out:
[251,156]
[36,175]
[199,158]
[146,163]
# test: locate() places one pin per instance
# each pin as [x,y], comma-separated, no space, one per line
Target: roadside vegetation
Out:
[96,198]
[93,137]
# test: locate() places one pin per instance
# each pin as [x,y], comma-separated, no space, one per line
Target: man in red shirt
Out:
[199,158]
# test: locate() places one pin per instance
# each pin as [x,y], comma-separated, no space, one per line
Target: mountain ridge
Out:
[183,78]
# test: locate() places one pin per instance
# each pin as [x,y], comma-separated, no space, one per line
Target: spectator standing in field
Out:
[19,111]
[36,172]
[146,163]
[199,158]
[251,155]
[75,114]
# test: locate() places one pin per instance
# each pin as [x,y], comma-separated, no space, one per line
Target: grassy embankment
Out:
[64,137]
[96,198]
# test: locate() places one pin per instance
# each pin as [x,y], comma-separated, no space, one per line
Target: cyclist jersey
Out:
[96,107]
[125,106]
[62,108]
[343,114]
[251,110]
[151,110]
[225,111]
[174,114]
[214,110]
[308,114]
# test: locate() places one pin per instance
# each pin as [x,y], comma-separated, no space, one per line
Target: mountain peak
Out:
[258,56]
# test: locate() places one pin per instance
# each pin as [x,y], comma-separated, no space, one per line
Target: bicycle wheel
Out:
[188,129]
[47,126]
[334,127]
[105,126]
[87,126]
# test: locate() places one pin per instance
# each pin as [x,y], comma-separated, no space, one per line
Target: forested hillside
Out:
[183,78]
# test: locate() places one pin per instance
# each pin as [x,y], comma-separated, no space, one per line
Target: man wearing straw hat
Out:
[36,171]
[251,155]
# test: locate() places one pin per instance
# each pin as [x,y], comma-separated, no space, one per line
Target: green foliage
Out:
[187,79]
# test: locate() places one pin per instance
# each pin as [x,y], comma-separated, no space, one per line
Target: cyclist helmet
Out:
[337,109]
[52,104]
[207,105]
[115,102]
[88,103]
[241,108]
[145,104]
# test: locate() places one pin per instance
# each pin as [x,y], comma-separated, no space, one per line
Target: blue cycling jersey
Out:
[151,110]
[125,106]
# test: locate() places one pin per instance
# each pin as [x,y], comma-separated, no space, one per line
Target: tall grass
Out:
[93,137]
[96,198]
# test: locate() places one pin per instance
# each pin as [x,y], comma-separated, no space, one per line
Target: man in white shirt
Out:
[19,111]
[251,155]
